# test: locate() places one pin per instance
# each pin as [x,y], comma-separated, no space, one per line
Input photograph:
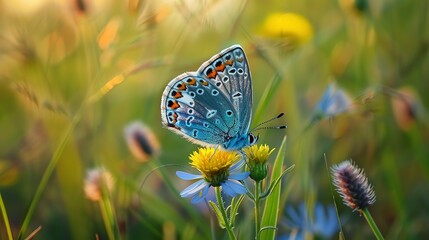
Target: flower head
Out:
[406,106]
[141,141]
[95,181]
[217,168]
[333,102]
[290,26]
[257,160]
[352,185]
[324,224]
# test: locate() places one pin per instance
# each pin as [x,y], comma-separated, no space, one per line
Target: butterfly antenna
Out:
[257,127]
[271,127]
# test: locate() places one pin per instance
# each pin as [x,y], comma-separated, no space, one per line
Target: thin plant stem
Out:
[59,150]
[225,217]
[372,223]
[106,218]
[257,217]
[46,176]
[5,219]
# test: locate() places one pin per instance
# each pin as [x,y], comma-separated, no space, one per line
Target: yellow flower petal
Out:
[258,154]
[289,25]
[210,161]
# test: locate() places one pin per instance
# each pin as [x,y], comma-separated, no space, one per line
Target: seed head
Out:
[352,185]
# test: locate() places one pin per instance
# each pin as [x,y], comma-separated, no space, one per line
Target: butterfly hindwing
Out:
[197,110]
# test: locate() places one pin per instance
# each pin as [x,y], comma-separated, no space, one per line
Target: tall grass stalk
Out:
[109,218]
[270,213]
[372,224]
[5,219]
[46,176]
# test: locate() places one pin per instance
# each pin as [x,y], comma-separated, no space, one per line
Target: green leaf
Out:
[235,203]
[271,208]
[220,219]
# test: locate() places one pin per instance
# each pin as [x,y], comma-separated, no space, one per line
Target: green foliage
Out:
[271,212]
[74,74]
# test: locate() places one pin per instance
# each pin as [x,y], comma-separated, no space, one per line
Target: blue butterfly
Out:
[212,106]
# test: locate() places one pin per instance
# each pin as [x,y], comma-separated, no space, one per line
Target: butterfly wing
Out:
[213,103]
[229,71]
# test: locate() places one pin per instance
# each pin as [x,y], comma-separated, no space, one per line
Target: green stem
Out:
[5,219]
[225,217]
[106,218]
[372,223]
[46,176]
[257,198]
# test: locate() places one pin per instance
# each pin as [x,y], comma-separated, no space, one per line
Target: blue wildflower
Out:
[324,224]
[333,102]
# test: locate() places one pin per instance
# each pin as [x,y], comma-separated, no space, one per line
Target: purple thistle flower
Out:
[352,185]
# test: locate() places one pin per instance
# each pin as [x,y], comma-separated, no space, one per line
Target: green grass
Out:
[64,103]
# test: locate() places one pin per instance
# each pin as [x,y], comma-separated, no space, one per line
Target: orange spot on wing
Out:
[204,83]
[212,74]
[175,118]
[177,95]
[220,68]
[240,59]
[229,62]
[181,86]
[174,105]
[191,81]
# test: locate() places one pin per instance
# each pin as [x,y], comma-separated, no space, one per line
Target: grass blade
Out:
[271,209]
[5,218]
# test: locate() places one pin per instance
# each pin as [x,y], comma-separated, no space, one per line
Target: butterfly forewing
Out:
[229,71]
[213,103]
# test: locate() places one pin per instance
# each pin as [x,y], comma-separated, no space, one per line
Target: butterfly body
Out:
[212,106]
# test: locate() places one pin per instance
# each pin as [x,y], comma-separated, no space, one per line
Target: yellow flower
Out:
[213,163]
[258,154]
[218,168]
[291,26]
[257,160]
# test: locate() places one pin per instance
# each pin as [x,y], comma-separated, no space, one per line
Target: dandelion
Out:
[257,160]
[353,187]
[324,224]
[290,26]
[96,180]
[333,102]
[218,168]
[141,141]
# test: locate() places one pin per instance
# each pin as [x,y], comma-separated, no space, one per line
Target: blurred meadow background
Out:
[80,78]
